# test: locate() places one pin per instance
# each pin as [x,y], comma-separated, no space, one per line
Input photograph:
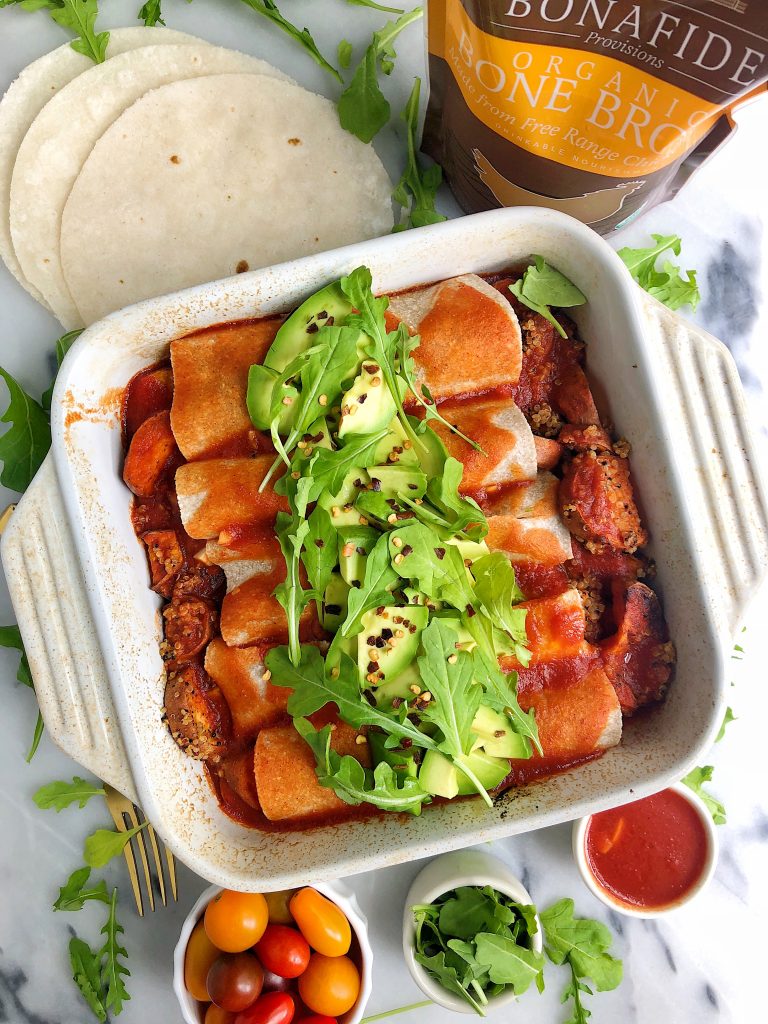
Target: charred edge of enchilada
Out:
[625,622]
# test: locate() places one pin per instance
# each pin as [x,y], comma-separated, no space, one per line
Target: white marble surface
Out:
[704,963]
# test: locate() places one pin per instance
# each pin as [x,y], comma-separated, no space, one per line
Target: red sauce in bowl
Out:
[648,854]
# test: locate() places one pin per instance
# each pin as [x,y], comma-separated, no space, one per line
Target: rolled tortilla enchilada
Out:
[217,494]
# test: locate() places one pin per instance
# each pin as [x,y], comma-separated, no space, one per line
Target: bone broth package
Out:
[597,108]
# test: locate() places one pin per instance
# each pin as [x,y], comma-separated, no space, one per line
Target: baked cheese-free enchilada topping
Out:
[390,579]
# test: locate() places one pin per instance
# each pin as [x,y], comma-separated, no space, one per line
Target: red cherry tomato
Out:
[235,981]
[272,1008]
[318,1018]
[283,951]
[274,983]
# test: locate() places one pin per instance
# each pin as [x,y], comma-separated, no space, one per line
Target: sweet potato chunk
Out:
[572,397]
[165,559]
[152,451]
[196,713]
[149,392]
[597,502]
[189,625]
[237,772]
[199,580]
[639,658]
[548,452]
[285,773]
[585,439]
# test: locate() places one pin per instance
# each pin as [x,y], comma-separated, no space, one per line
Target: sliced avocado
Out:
[340,644]
[399,688]
[441,777]
[343,502]
[395,447]
[433,454]
[394,480]
[464,638]
[367,406]
[470,549]
[261,380]
[496,736]
[355,542]
[403,762]
[382,652]
[334,605]
[325,308]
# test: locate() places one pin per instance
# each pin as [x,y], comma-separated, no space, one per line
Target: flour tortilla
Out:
[27,96]
[264,174]
[64,133]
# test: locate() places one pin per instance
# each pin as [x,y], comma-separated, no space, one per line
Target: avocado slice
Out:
[433,454]
[464,638]
[355,543]
[398,688]
[381,652]
[394,480]
[346,514]
[496,736]
[441,777]
[396,447]
[470,549]
[367,406]
[403,762]
[334,604]
[325,308]
[261,381]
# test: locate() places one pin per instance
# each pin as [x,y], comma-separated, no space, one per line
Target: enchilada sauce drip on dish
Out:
[610,642]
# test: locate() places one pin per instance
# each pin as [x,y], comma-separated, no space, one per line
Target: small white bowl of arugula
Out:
[471,936]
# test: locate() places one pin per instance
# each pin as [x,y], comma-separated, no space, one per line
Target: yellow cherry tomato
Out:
[330,985]
[215,1015]
[235,921]
[277,902]
[198,958]
[321,923]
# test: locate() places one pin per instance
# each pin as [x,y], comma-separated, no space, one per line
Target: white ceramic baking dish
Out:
[79,582]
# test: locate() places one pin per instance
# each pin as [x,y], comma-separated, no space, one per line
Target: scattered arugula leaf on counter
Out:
[344,53]
[112,970]
[728,717]
[58,795]
[695,780]
[86,972]
[363,108]
[11,637]
[151,13]
[63,345]
[345,775]
[104,844]
[25,444]
[73,895]
[416,191]
[78,16]
[667,285]
[542,286]
[375,6]
[583,944]
[269,9]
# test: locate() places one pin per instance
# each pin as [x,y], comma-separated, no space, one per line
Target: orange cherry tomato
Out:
[330,985]
[215,1015]
[321,923]
[235,921]
[279,911]
[199,956]
[283,951]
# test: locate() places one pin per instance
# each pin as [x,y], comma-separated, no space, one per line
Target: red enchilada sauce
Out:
[648,854]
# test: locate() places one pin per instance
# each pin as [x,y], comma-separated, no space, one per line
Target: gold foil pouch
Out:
[591,107]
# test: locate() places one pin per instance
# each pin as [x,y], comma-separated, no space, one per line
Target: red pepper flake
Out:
[470,611]
[440,552]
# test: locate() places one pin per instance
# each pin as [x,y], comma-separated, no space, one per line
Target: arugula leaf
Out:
[500,689]
[63,345]
[667,285]
[151,13]
[437,570]
[573,990]
[312,690]
[695,780]
[448,977]
[10,636]
[37,735]
[377,585]
[468,911]
[464,514]
[363,108]
[542,286]
[292,532]
[355,784]
[344,53]
[105,844]
[78,16]
[86,972]
[328,468]
[374,6]
[509,963]
[416,191]
[24,446]
[319,555]
[73,895]
[497,590]
[268,9]
[61,794]
[584,943]
[728,717]
[113,970]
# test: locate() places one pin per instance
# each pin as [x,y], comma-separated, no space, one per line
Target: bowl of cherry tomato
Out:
[300,956]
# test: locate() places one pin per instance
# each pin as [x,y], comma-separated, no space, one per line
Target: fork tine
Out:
[5,516]
[158,863]
[117,817]
[132,813]
[171,872]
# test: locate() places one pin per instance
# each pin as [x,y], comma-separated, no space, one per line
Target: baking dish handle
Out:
[51,606]
[726,492]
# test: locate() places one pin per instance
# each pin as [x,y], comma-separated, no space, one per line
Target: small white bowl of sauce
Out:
[648,857]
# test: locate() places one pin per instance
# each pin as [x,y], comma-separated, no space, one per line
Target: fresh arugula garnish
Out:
[11,637]
[112,970]
[151,13]
[86,973]
[374,6]
[78,16]
[436,570]
[329,468]
[542,286]
[25,444]
[363,108]
[320,554]
[668,284]
[463,514]
[74,895]
[695,780]
[501,689]
[354,784]
[58,795]
[104,844]
[416,191]
[269,9]
[498,592]
[376,586]
[344,53]
[583,944]
[728,717]
[476,942]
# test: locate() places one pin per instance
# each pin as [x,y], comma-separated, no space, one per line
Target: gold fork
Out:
[127,815]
